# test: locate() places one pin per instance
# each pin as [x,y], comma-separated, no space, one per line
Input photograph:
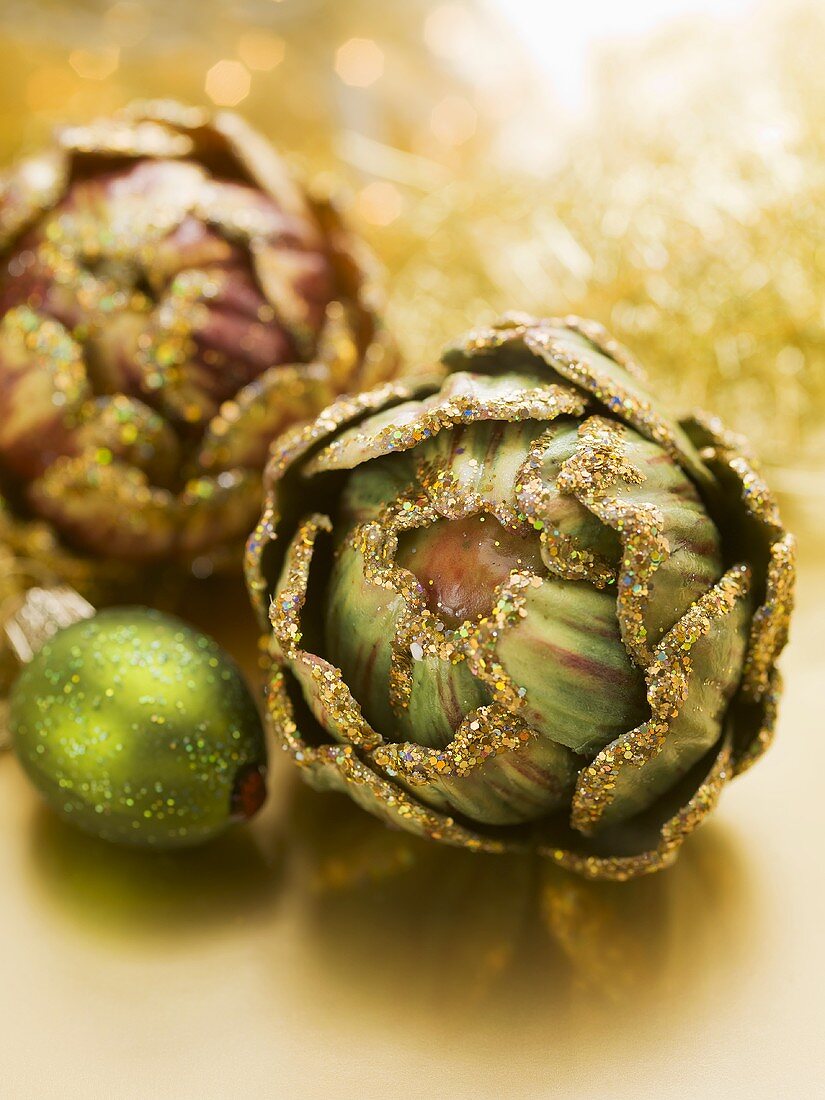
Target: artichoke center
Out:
[459,563]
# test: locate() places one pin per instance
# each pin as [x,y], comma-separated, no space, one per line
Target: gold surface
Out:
[318,954]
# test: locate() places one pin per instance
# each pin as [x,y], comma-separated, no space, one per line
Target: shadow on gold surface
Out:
[396,919]
[398,928]
[128,893]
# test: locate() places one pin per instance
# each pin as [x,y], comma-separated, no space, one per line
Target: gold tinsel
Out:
[683,210]
[686,213]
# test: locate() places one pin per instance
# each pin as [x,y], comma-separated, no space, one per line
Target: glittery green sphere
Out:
[140,730]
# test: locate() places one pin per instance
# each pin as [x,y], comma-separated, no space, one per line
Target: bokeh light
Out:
[261,50]
[95,65]
[359,62]
[227,83]
[379,203]
[454,120]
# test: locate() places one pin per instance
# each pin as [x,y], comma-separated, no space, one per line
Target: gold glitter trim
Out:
[544,339]
[589,474]
[344,719]
[294,444]
[256,583]
[451,500]
[633,410]
[486,732]
[668,681]
[599,460]
[483,636]
[758,498]
[716,436]
[770,625]
[563,555]
[608,345]
[290,595]
[764,737]
[290,448]
[733,451]
[339,767]
[672,834]
[769,630]
[445,410]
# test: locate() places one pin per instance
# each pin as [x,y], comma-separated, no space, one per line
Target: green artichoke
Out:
[523,606]
[170,299]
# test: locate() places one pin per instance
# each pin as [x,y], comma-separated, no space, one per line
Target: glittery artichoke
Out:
[523,606]
[170,299]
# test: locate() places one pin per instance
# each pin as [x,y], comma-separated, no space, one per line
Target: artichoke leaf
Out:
[463,399]
[690,683]
[107,509]
[496,770]
[241,433]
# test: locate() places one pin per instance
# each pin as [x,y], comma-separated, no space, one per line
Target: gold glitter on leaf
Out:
[329,697]
[484,733]
[337,767]
[672,834]
[462,400]
[668,681]
[769,631]
[590,475]
[762,741]
[563,555]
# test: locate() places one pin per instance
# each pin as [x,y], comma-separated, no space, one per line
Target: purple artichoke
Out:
[170,299]
[523,606]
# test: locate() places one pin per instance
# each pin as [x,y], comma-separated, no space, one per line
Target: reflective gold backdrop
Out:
[318,954]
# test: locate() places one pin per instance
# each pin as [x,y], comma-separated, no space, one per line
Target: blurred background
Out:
[657,165]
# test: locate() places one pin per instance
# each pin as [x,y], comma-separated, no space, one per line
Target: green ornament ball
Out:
[140,730]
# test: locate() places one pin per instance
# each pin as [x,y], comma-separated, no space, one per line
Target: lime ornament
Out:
[140,730]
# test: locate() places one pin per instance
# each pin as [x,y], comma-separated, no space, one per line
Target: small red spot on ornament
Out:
[248,793]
